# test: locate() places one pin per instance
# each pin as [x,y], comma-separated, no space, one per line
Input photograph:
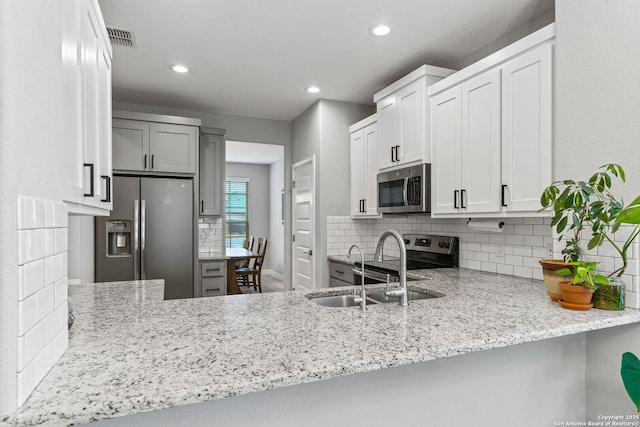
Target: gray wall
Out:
[276,227]
[597,110]
[259,197]
[323,130]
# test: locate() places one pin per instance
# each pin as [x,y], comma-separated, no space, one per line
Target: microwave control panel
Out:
[414,190]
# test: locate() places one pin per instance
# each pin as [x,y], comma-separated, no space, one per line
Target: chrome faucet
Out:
[402,292]
[362,299]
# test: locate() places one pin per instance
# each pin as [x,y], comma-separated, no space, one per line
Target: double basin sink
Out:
[346,299]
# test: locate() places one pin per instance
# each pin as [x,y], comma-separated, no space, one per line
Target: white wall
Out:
[31,134]
[597,110]
[276,227]
[323,130]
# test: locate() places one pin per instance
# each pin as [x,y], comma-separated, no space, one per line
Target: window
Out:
[237,209]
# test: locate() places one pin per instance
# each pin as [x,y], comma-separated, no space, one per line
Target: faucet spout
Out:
[402,292]
[362,299]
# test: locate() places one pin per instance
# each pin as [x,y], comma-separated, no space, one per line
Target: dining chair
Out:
[252,275]
[245,262]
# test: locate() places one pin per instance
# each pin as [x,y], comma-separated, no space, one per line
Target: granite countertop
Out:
[130,351]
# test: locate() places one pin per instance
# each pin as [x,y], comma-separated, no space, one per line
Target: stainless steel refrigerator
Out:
[149,234]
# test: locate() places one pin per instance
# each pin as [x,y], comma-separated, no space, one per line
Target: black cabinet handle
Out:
[455,199]
[91,183]
[145,161]
[462,199]
[392,149]
[201,206]
[213,289]
[504,187]
[364,205]
[152,158]
[107,196]
[397,150]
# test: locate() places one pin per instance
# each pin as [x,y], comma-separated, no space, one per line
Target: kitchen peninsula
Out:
[131,352]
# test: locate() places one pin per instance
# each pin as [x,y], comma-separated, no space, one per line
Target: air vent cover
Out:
[121,37]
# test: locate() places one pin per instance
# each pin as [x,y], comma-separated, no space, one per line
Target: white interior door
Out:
[303,224]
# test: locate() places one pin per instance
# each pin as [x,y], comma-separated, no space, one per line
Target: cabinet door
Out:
[172,148]
[387,132]
[211,179]
[445,144]
[370,170]
[357,173]
[527,133]
[130,145]
[90,64]
[480,148]
[410,117]
[105,127]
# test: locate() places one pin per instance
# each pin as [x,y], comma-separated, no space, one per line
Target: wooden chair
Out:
[245,262]
[252,275]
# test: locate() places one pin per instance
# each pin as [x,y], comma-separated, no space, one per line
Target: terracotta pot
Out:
[576,295]
[551,278]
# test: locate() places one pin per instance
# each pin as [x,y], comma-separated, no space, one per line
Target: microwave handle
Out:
[410,188]
[405,191]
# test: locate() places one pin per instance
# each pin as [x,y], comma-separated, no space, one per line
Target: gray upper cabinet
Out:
[154,147]
[211,172]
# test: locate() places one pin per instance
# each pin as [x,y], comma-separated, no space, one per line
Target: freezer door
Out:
[115,252]
[167,242]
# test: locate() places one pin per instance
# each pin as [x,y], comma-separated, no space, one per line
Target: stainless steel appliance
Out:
[424,252]
[406,190]
[149,234]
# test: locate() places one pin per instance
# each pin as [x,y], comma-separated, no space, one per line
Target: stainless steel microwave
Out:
[406,190]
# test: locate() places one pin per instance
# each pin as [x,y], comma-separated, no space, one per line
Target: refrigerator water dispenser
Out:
[118,238]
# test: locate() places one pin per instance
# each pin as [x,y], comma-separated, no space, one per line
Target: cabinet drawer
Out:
[212,268]
[341,271]
[214,286]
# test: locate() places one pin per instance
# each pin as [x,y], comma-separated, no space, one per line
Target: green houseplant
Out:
[591,203]
[577,294]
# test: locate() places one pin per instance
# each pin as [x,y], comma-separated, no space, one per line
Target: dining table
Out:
[234,255]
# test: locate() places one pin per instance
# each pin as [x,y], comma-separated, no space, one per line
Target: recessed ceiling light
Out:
[179,68]
[313,89]
[380,30]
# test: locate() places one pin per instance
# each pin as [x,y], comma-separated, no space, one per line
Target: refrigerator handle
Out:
[143,218]
[136,239]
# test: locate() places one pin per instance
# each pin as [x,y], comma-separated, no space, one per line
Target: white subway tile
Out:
[530,262]
[524,229]
[481,238]
[542,253]
[45,301]
[508,250]
[607,250]
[48,242]
[488,248]
[504,269]
[534,241]
[515,260]
[497,238]
[54,268]
[541,230]
[54,322]
[632,299]
[30,213]
[522,250]
[61,342]
[57,215]
[514,239]
[31,278]
[498,259]
[61,240]
[481,256]
[489,267]
[27,382]
[26,250]
[537,273]
[523,272]
[30,345]
[61,292]
[474,265]
[534,220]
[476,247]
[27,314]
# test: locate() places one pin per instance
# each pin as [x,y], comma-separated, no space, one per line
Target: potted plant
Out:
[592,203]
[577,293]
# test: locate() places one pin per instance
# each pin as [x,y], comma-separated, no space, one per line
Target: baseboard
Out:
[274,274]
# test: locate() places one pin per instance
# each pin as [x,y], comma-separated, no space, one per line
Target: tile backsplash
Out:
[514,251]
[42,290]
[210,236]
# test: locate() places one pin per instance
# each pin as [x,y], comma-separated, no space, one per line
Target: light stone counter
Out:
[131,352]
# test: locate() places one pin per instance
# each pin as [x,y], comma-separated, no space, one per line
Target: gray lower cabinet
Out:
[153,147]
[213,278]
[211,172]
[340,274]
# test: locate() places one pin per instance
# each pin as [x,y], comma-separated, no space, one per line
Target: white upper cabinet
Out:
[492,132]
[141,144]
[364,168]
[403,112]
[527,128]
[87,58]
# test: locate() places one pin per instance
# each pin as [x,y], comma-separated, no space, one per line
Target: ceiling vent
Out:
[120,37]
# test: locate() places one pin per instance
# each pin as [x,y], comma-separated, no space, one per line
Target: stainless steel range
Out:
[424,251]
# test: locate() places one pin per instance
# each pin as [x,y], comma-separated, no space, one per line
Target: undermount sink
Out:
[337,300]
[412,295]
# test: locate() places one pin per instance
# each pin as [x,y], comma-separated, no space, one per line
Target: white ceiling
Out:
[249,152]
[256,57]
